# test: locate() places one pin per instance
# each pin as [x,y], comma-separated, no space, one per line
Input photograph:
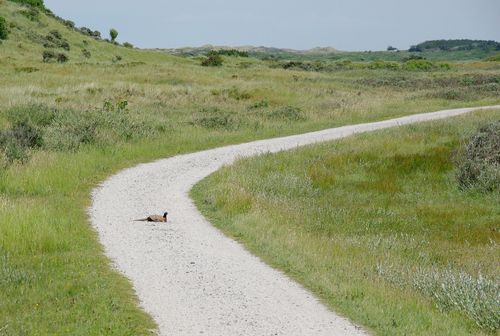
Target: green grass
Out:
[375,225]
[97,115]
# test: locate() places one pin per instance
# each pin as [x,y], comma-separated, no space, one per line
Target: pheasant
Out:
[154,218]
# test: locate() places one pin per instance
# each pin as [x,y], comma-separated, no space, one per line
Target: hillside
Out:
[68,124]
[456,50]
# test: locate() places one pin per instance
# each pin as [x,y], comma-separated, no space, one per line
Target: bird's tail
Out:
[141,220]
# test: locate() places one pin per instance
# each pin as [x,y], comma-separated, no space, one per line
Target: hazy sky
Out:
[343,24]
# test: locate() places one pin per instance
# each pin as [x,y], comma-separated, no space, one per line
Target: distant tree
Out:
[415,48]
[391,48]
[113,33]
[4,32]
[128,45]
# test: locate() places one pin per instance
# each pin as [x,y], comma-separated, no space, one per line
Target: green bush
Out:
[34,3]
[478,163]
[4,30]
[128,45]
[289,113]
[86,53]
[31,13]
[15,142]
[424,65]
[49,56]
[212,59]
[54,39]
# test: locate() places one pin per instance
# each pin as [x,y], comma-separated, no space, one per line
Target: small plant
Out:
[31,14]
[117,59]
[478,163]
[27,69]
[86,53]
[128,45]
[62,58]
[4,31]
[49,56]
[113,33]
[212,59]
[259,105]
[289,113]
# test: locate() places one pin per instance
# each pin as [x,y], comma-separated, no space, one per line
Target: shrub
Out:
[17,140]
[86,53]
[49,56]
[128,45]
[88,32]
[31,13]
[290,113]
[424,65]
[116,59]
[34,3]
[212,59]
[477,298]
[478,163]
[4,31]
[62,58]
[55,40]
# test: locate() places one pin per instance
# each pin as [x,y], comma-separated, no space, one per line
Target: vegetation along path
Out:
[189,276]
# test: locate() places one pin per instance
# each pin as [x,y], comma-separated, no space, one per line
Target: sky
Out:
[299,24]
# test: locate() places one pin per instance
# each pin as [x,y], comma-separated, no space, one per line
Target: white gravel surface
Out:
[191,278]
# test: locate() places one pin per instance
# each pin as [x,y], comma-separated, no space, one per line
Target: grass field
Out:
[66,127]
[375,225]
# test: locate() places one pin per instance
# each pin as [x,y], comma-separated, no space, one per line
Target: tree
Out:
[113,33]
[4,32]
[391,48]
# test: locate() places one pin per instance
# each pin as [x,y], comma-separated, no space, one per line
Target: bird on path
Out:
[154,218]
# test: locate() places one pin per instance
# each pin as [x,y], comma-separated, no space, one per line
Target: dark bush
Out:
[86,53]
[4,31]
[88,32]
[48,56]
[55,40]
[69,23]
[62,58]
[31,13]
[128,45]
[116,59]
[478,162]
[17,140]
[212,59]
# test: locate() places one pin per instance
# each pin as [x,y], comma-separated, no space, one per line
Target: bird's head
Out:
[165,215]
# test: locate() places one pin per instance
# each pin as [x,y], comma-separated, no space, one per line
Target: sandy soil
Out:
[192,279]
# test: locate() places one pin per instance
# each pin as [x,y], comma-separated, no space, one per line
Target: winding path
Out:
[191,278]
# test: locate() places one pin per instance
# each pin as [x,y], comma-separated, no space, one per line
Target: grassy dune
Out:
[375,225]
[66,127]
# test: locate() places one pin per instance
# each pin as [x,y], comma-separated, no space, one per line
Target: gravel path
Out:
[192,279]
